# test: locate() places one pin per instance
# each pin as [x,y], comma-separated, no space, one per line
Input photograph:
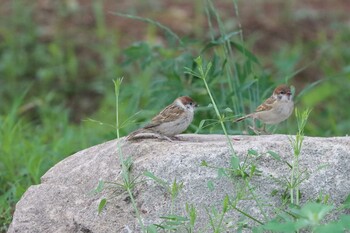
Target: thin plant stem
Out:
[291,183]
[117,84]
[203,73]
[217,230]
[256,200]
[297,143]
[125,168]
[136,210]
[297,187]
[247,215]
[218,115]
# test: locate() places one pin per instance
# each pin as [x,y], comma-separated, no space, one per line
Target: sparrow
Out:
[172,120]
[274,110]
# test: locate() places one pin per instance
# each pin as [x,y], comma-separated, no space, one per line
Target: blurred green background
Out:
[58,60]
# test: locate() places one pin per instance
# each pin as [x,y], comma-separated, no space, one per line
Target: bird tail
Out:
[140,133]
[242,118]
[133,134]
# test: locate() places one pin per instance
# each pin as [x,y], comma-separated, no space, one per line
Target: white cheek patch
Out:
[180,104]
[285,97]
[190,108]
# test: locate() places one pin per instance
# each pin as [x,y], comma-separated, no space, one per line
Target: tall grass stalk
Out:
[203,74]
[296,144]
[231,69]
[117,84]
[128,182]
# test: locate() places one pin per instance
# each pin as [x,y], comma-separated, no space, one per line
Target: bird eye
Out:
[282,92]
[191,103]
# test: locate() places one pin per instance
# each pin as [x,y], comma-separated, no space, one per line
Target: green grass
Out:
[48,85]
[28,151]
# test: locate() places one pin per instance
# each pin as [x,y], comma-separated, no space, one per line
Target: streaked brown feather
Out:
[267,105]
[170,113]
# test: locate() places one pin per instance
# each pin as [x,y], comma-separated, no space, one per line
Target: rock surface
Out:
[64,201]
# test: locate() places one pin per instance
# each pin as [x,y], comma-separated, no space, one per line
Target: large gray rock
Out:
[64,201]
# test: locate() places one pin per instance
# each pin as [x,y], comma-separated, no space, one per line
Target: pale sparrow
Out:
[172,120]
[275,109]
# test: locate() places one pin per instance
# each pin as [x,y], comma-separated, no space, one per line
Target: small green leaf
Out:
[210,185]
[252,170]
[204,163]
[176,188]
[274,192]
[274,226]
[345,220]
[315,212]
[174,217]
[221,172]
[347,202]
[258,229]
[226,204]
[198,60]
[99,187]
[228,109]
[191,211]
[155,178]
[334,227]
[201,124]
[245,52]
[152,229]
[101,205]
[234,162]
[253,152]
[169,226]
[209,65]
[274,155]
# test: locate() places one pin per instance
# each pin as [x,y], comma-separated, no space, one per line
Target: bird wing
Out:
[267,105]
[170,113]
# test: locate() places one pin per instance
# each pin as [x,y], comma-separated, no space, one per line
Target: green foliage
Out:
[27,151]
[308,217]
[203,72]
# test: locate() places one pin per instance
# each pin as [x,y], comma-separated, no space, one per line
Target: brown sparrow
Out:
[172,120]
[275,109]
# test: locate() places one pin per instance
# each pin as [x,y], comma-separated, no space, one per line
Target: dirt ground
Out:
[275,21]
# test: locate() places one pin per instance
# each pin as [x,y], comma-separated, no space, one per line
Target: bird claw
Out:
[257,132]
[176,138]
[166,138]
[261,131]
[152,135]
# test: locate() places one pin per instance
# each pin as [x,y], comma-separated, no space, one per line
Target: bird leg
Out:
[256,131]
[264,130]
[175,138]
[165,138]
